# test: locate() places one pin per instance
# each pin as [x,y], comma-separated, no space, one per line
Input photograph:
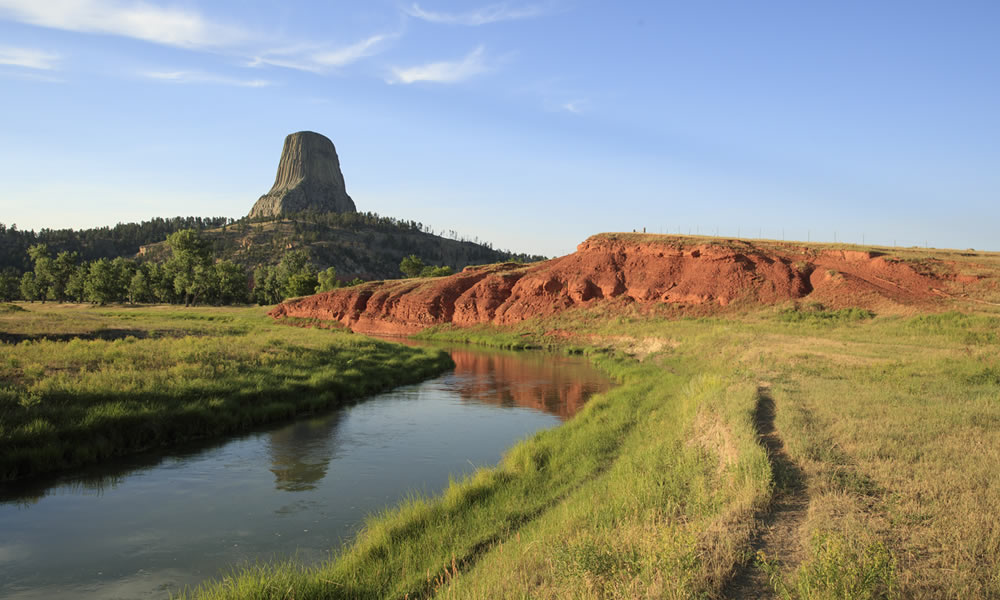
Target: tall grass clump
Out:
[817,313]
[838,569]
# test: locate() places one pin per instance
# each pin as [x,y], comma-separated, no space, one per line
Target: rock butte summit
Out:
[309,179]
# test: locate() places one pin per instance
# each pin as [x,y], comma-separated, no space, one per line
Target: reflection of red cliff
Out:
[539,382]
[643,269]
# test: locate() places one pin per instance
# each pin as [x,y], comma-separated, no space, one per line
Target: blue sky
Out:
[528,124]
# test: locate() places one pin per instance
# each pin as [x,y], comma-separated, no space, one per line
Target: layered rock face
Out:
[309,178]
[703,277]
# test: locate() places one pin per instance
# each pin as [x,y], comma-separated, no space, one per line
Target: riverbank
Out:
[882,433]
[799,451]
[632,494]
[83,383]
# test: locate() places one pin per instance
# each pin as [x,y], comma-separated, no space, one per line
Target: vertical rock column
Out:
[308,178]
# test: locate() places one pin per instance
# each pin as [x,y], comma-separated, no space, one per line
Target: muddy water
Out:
[151,524]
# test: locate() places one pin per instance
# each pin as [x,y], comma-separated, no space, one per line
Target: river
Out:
[151,524]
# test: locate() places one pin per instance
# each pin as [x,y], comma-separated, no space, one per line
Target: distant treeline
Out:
[192,275]
[124,239]
[353,221]
[98,265]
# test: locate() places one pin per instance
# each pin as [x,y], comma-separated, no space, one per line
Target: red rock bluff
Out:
[632,268]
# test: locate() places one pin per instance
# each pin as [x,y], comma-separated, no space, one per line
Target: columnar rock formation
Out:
[309,178]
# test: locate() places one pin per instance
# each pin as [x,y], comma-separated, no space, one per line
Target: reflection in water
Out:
[301,452]
[96,480]
[142,525]
[33,491]
[547,382]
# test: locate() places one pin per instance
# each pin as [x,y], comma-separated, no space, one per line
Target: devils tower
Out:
[309,179]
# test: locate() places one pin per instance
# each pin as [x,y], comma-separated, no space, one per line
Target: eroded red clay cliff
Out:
[710,275]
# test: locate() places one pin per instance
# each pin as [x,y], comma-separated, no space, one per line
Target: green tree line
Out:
[190,276]
[124,239]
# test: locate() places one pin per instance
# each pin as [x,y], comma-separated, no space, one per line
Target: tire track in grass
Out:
[777,535]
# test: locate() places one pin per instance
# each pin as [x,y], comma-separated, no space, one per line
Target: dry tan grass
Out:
[895,424]
[902,449]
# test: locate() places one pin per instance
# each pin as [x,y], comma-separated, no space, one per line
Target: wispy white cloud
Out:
[185,28]
[284,59]
[28,58]
[204,78]
[41,76]
[163,25]
[444,71]
[492,13]
[317,59]
[347,55]
[560,94]
[577,107]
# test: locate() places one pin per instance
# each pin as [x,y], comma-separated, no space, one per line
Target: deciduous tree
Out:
[234,285]
[29,287]
[327,280]
[411,266]
[101,286]
[189,262]
[10,286]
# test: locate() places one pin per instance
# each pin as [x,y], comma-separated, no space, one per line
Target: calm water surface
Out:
[147,525]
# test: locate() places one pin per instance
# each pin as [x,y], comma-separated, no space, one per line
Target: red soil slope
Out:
[709,274]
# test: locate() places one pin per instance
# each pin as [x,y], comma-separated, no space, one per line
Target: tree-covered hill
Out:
[266,260]
[357,245]
[124,239]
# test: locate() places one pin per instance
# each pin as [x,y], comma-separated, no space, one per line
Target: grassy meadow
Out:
[791,452]
[891,427]
[81,383]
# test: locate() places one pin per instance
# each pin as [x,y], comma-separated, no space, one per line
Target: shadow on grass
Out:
[787,475]
[778,523]
[108,335]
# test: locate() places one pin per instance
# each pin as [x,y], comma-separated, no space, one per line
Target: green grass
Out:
[898,435]
[817,313]
[129,379]
[647,491]
[837,570]
[657,487]
[894,422]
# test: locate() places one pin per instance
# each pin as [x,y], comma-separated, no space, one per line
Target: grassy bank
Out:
[879,479]
[891,427]
[79,384]
[650,490]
